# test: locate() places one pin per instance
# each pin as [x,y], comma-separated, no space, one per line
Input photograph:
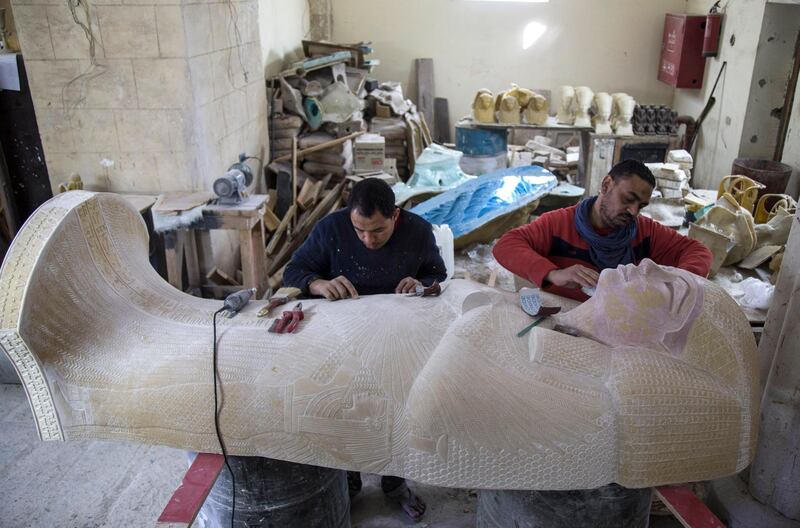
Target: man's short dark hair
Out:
[630,167]
[370,195]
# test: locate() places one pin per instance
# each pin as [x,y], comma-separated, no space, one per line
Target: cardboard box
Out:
[369,151]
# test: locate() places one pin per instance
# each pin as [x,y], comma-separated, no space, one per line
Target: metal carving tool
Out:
[282,296]
[532,305]
[289,321]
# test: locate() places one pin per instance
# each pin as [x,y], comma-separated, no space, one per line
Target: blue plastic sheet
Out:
[477,202]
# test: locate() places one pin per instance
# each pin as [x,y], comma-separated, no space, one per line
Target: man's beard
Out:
[614,222]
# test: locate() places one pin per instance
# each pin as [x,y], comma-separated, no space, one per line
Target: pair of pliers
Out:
[289,321]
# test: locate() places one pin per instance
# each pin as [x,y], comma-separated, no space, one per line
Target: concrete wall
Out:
[173,97]
[743,103]
[610,46]
[791,150]
[773,67]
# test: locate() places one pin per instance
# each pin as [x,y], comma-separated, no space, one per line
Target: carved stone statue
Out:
[602,123]
[523,95]
[583,101]
[436,389]
[536,113]
[565,113]
[507,108]
[483,106]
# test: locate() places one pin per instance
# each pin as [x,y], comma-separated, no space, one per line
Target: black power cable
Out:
[216,421]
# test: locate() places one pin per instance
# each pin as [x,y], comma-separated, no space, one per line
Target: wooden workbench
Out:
[194,244]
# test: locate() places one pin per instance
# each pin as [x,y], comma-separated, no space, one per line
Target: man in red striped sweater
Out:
[564,250]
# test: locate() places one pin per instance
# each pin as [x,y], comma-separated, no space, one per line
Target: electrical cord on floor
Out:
[216,421]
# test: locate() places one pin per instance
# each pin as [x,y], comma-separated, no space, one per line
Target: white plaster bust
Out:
[439,390]
[602,123]
[583,101]
[624,106]
[565,113]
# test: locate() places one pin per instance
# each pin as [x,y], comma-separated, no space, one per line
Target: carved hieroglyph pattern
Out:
[17,268]
[35,386]
[435,389]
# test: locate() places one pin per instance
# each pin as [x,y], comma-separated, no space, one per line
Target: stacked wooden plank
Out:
[313,203]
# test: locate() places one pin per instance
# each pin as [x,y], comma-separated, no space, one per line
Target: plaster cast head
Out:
[373,213]
[583,96]
[603,102]
[483,106]
[565,112]
[640,305]
[538,102]
[624,192]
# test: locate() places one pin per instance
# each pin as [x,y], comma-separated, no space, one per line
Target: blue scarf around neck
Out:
[606,251]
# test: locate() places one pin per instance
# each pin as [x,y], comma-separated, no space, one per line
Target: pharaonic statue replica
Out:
[436,389]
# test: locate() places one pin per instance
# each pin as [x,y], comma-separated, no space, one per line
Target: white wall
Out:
[773,67]
[283,25]
[613,45]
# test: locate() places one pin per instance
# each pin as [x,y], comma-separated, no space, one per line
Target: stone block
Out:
[177,171]
[150,130]
[33,30]
[93,130]
[70,41]
[234,108]
[169,24]
[210,126]
[162,83]
[47,79]
[257,100]
[113,88]
[197,27]
[201,78]
[223,34]
[224,65]
[128,31]
[55,131]
[134,172]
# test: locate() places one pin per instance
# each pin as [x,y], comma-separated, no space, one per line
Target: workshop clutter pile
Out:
[744,227]
[561,161]
[331,124]
[672,177]
[330,95]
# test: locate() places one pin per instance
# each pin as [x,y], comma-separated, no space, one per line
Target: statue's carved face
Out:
[539,102]
[509,103]
[484,101]
[643,305]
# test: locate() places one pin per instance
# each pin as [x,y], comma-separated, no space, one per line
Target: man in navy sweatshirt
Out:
[370,247]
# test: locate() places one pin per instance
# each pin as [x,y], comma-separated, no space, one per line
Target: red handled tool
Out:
[289,321]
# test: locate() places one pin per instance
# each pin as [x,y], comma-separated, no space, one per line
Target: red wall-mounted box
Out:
[682,63]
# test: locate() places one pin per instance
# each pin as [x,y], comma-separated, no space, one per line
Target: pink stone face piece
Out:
[654,383]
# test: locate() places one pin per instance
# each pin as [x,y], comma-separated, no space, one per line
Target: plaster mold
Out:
[658,384]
